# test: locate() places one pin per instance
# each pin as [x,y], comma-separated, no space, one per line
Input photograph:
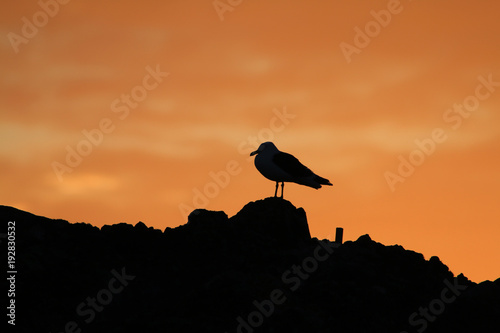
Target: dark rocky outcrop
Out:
[258,271]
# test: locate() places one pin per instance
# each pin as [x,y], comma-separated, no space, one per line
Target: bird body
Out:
[282,167]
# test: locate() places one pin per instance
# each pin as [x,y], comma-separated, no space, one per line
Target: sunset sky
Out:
[126,111]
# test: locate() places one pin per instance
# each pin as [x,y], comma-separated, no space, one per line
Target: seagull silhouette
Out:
[282,167]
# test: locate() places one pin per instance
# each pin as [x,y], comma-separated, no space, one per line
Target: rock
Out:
[276,219]
[218,274]
[207,219]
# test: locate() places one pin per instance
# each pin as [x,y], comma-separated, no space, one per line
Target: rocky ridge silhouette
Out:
[258,271]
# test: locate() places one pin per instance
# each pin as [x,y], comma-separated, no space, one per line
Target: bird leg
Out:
[276,191]
[282,186]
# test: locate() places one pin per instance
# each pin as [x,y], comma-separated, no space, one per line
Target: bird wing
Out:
[291,165]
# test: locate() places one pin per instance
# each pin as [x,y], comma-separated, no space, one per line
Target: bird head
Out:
[263,146]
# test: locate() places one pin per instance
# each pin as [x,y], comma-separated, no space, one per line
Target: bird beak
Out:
[254,152]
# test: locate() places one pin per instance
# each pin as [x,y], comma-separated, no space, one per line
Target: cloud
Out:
[27,143]
[87,184]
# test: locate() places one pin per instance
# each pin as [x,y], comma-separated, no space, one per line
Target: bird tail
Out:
[322,181]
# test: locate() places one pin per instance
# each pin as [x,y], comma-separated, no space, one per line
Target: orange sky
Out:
[270,70]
